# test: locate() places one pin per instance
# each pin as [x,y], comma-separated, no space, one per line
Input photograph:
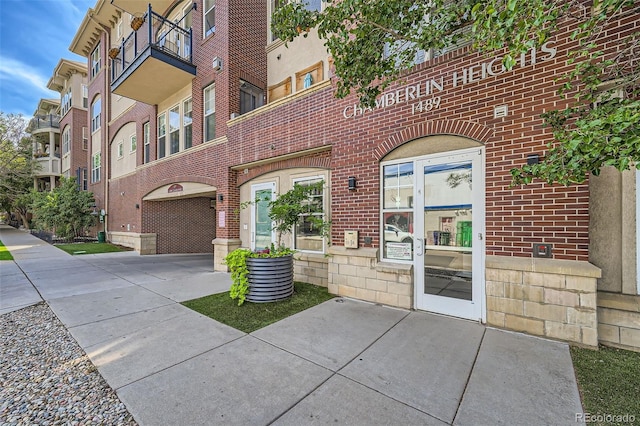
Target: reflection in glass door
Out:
[448,266]
[262,234]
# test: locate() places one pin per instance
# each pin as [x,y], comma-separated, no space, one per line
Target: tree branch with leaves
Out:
[356,33]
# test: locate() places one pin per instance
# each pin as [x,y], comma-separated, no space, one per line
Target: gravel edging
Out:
[47,379]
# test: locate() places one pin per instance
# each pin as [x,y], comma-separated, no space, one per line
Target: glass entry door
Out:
[449,225]
[262,234]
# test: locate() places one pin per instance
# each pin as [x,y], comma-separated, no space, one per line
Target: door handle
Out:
[419,246]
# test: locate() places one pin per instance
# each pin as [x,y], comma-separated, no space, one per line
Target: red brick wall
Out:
[182,226]
[76,118]
[515,217]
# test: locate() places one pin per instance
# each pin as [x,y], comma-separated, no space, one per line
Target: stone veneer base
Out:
[142,243]
[545,297]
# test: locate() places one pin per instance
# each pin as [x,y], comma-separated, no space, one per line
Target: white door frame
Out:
[474,309]
[255,188]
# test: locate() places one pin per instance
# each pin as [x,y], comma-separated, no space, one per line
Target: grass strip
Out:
[89,248]
[609,382]
[252,316]
[5,254]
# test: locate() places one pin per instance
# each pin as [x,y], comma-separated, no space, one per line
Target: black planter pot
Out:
[270,278]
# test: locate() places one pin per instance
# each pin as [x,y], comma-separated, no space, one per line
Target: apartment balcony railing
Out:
[155,60]
[47,166]
[44,122]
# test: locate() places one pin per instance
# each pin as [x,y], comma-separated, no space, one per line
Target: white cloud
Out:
[20,73]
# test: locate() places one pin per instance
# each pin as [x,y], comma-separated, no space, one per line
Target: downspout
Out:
[107,120]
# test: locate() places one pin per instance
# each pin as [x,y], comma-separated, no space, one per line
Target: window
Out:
[134,143]
[120,149]
[186,23]
[209,17]
[147,141]
[187,110]
[209,113]
[162,135]
[85,96]
[174,129]
[65,105]
[66,141]
[397,207]
[95,61]
[96,162]
[308,232]
[251,97]
[85,139]
[81,178]
[312,5]
[400,46]
[96,112]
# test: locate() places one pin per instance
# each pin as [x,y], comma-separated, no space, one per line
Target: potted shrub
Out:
[266,275]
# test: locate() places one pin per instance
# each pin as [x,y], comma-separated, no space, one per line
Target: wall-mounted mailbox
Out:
[351,239]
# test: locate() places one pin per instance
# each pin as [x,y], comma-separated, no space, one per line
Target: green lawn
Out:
[252,316]
[609,382]
[4,253]
[90,248]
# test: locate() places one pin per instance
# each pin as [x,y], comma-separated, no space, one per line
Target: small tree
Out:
[286,212]
[16,166]
[66,210]
[288,208]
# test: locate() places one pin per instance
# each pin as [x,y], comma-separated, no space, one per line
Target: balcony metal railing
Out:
[44,122]
[155,32]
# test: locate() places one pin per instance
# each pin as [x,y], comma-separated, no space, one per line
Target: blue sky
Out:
[34,36]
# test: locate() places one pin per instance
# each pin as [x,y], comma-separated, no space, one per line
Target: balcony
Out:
[47,166]
[154,61]
[43,123]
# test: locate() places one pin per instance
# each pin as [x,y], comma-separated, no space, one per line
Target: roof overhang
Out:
[137,6]
[102,15]
[45,105]
[63,71]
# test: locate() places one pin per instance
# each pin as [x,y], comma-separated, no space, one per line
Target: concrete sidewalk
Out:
[343,361]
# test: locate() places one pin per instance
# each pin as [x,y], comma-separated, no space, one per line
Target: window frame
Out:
[294,232]
[187,122]
[85,139]
[402,210]
[174,147]
[206,32]
[85,96]
[96,165]
[162,136]
[96,61]
[257,95]
[66,141]
[133,143]
[96,118]
[146,141]
[206,114]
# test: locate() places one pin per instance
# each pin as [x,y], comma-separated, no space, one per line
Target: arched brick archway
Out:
[466,129]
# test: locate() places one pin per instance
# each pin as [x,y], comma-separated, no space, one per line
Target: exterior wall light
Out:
[352,183]
[533,159]
[220,197]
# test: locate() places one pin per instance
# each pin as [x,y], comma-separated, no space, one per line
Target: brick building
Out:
[199,109]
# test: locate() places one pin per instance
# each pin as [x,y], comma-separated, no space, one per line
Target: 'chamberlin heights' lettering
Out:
[458,78]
